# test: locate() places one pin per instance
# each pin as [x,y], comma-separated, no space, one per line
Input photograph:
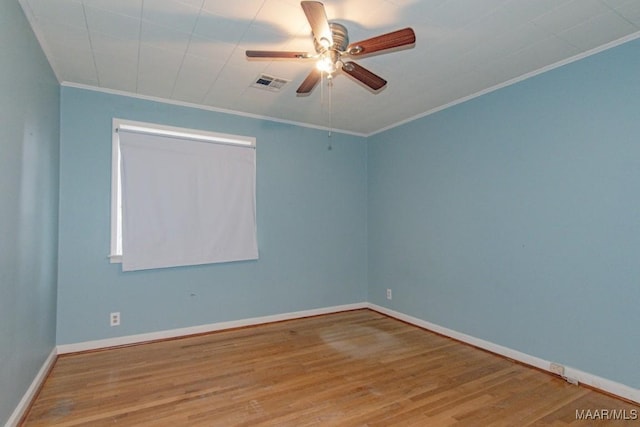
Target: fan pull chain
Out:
[321,90]
[330,84]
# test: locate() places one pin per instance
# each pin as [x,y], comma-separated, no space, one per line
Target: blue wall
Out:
[512,217]
[29,115]
[311,206]
[515,217]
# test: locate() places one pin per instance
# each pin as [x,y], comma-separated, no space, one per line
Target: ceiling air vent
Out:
[274,84]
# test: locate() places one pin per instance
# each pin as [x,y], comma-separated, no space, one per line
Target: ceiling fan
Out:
[331,41]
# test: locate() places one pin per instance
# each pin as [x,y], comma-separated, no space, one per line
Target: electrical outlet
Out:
[389,294]
[556,369]
[114,319]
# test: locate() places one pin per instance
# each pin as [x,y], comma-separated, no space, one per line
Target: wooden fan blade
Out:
[276,54]
[375,82]
[317,17]
[310,82]
[398,38]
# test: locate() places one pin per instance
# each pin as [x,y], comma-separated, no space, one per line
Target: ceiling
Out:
[192,51]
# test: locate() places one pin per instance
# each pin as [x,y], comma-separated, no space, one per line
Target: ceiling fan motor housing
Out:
[340,39]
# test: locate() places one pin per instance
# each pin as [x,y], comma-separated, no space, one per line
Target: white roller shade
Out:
[186,202]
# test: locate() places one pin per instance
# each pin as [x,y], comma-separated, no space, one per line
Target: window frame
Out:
[115,251]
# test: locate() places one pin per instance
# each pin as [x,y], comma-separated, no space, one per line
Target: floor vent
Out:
[274,84]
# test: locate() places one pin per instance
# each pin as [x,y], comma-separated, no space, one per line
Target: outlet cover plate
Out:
[114,319]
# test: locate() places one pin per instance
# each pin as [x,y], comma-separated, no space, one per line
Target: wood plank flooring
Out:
[357,368]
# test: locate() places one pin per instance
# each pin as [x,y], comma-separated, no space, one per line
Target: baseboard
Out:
[201,329]
[30,394]
[585,378]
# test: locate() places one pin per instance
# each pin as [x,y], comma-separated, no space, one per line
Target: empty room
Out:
[348,212]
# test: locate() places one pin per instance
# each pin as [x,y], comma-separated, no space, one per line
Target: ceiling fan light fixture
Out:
[329,62]
[326,65]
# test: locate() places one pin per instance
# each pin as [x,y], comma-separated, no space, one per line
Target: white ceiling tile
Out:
[540,55]
[301,41]
[195,78]
[438,95]
[238,60]
[258,37]
[615,4]
[226,88]
[244,10]
[164,37]
[152,57]
[600,30]
[73,37]
[380,17]
[208,49]
[455,43]
[74,65]
[192,3]
[259,99]
[117,73]
[112,24]
[122,49]
[504,70]
[631,12]
[493,25]
[279,17]
[503,44]
[570,14]
[66,12]
[473,82]
[402,88]
[294,2]
[171,14]
[408,3]
[224,29]
[132,8]
[532,9]
[460,13]
[429,35]
[364,16]
[157,70]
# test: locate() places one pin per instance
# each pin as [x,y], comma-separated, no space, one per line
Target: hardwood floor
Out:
[349,369]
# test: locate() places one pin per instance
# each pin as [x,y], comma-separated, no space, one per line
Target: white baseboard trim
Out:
[30,394]
[582,377]
[200,329]
[570,373]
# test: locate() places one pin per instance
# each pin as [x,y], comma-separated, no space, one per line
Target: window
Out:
[181,196]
